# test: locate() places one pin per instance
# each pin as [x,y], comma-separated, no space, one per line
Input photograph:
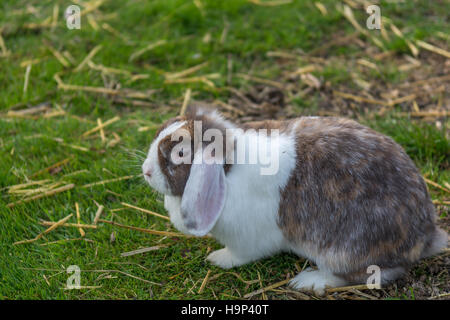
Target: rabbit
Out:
[343,196]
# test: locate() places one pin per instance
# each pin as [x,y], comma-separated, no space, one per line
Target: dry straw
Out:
[42,195]
[40,235]
[149,231]
[145,211]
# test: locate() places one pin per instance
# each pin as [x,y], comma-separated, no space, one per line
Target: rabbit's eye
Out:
[180,153]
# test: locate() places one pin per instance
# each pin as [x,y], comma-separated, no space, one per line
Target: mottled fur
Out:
[346,197]
[355,199]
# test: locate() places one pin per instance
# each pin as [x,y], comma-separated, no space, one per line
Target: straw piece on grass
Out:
[24,185]
[203,79]
[5,52]
[75,173]
[358,98]
[83,287]
[26,62]
[53,166]
[175,275]
[46,23]
[145,211]
[433,48]
[238,276]
[229,107]
[367,63]
[402,99]
[242,96]
[147,48]
[92,22]
[70,87]
[149,231]
[111,143]
[399,34]
[91,6]
[29,192]
[268,288]
[101,90]
[184,73]
[42,195]
[90,55]
[426,81]
[64,240]
[102,132]
[434,184]
[187,97]
[30,111]
[109,28]
[106,181]
[204,282]
[107,70]
[100,127]
[348,14]
[27,78]
[77,209]
[261,80]
[362,294]
[441,202]
[138,103]
[59,56]
[426,114]
[54,114]
[443,35]
[72,225]
[223,35]
[347,288]
[306,69]
[139,77]
[143,250]
[281,54]
[98,213]
[40,235]
[446,294]
[263,294]
[323,10]
[61,141]
[270,3]
[55,16]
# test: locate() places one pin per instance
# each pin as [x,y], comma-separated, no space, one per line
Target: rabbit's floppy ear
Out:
[203,197]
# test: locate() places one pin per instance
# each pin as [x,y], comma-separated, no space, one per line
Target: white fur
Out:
[157,180]
[247,225]
[316,281]
[173,206]
[440,241]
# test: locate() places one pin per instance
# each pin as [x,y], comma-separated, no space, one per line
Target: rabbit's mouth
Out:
[155,178]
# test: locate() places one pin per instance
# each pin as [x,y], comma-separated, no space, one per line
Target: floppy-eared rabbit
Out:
[344,196]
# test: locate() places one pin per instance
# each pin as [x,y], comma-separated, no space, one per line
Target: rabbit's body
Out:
[345,197]
[246,225]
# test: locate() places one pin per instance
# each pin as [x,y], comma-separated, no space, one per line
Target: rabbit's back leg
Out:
[373,275]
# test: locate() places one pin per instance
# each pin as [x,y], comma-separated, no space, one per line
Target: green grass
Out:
[251,31]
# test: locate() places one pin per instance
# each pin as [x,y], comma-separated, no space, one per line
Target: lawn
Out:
[131,66]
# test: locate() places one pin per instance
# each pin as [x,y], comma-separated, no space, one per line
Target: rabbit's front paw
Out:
[224,258]
[316,281]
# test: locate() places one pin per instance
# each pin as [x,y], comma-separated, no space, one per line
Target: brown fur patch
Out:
[178,174]
[283,126]
[356,194]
